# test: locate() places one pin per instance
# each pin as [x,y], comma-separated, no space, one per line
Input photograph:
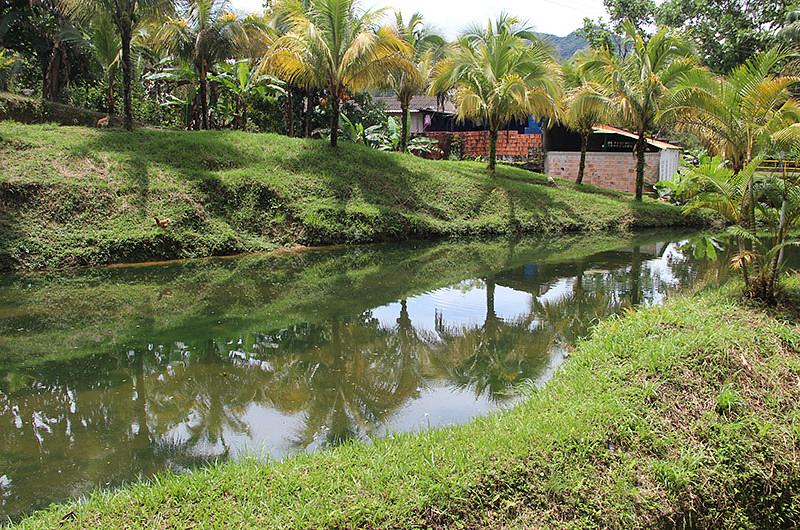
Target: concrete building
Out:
[610,161]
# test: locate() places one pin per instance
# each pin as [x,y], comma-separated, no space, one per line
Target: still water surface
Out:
[110,375]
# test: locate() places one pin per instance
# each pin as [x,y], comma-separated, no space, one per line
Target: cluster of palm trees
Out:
[494,74]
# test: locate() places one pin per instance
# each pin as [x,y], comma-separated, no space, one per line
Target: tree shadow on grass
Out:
[387,180]
[196,158]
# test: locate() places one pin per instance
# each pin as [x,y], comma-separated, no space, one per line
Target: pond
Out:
[111,375]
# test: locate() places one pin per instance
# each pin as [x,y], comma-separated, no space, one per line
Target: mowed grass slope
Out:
[680,416]
[81,196]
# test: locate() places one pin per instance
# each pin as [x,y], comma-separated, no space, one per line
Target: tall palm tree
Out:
[500,72]
[637,87]
[424,49]
[584,107]
[127,16]
[336,46]
[203,33]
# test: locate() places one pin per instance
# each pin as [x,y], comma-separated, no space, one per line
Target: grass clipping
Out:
[684,415]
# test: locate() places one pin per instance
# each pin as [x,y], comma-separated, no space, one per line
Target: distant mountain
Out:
[565,46]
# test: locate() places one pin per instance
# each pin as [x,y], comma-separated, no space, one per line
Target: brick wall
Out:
[511,145]
[616,171]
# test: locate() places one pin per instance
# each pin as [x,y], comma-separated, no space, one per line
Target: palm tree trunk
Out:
[290,112]
[203,98]
[127,74]
[110,95]
[334,120]
[582,164]
[310,104]
[404,104]
[640,151]
[778,260]
[492,151]
[56,76]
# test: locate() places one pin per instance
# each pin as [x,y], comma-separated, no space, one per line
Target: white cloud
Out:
[559,17]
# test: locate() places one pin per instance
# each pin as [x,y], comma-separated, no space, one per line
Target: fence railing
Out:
[779,166]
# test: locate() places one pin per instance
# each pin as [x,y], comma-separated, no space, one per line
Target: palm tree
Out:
[584,106]
[107,49]
[728,193]
[637,87]
[425,48]
[736,116]
[203,33]
[336,46]
[500,73]
[127,16]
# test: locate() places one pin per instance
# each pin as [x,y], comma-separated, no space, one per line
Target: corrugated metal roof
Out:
[659,144]
[418,103]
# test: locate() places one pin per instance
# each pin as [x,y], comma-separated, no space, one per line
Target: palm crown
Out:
[337,46]
[500,73]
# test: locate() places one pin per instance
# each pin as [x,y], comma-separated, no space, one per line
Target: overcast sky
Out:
[559,17]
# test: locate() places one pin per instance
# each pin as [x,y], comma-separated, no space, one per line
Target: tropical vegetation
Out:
[499,73]
[741,117]
[310,68]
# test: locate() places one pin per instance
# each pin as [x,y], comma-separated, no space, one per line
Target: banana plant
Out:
[242,81]
[178,76]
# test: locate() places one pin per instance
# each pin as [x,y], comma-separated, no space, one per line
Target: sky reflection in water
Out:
[107,376]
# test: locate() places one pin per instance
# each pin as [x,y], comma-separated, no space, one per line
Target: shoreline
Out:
[73,197]
[667,414]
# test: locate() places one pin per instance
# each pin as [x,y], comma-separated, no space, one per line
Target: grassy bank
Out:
[81,196]
[684,415]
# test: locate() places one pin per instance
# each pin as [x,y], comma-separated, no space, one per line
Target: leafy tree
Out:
[203,33]
[637,87]
[791,27]
[585,106]
[336,46]
[424,48]
[500,72]
[640,12]
[727,32]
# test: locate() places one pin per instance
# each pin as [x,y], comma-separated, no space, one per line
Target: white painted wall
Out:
[416,122]
[668,166]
